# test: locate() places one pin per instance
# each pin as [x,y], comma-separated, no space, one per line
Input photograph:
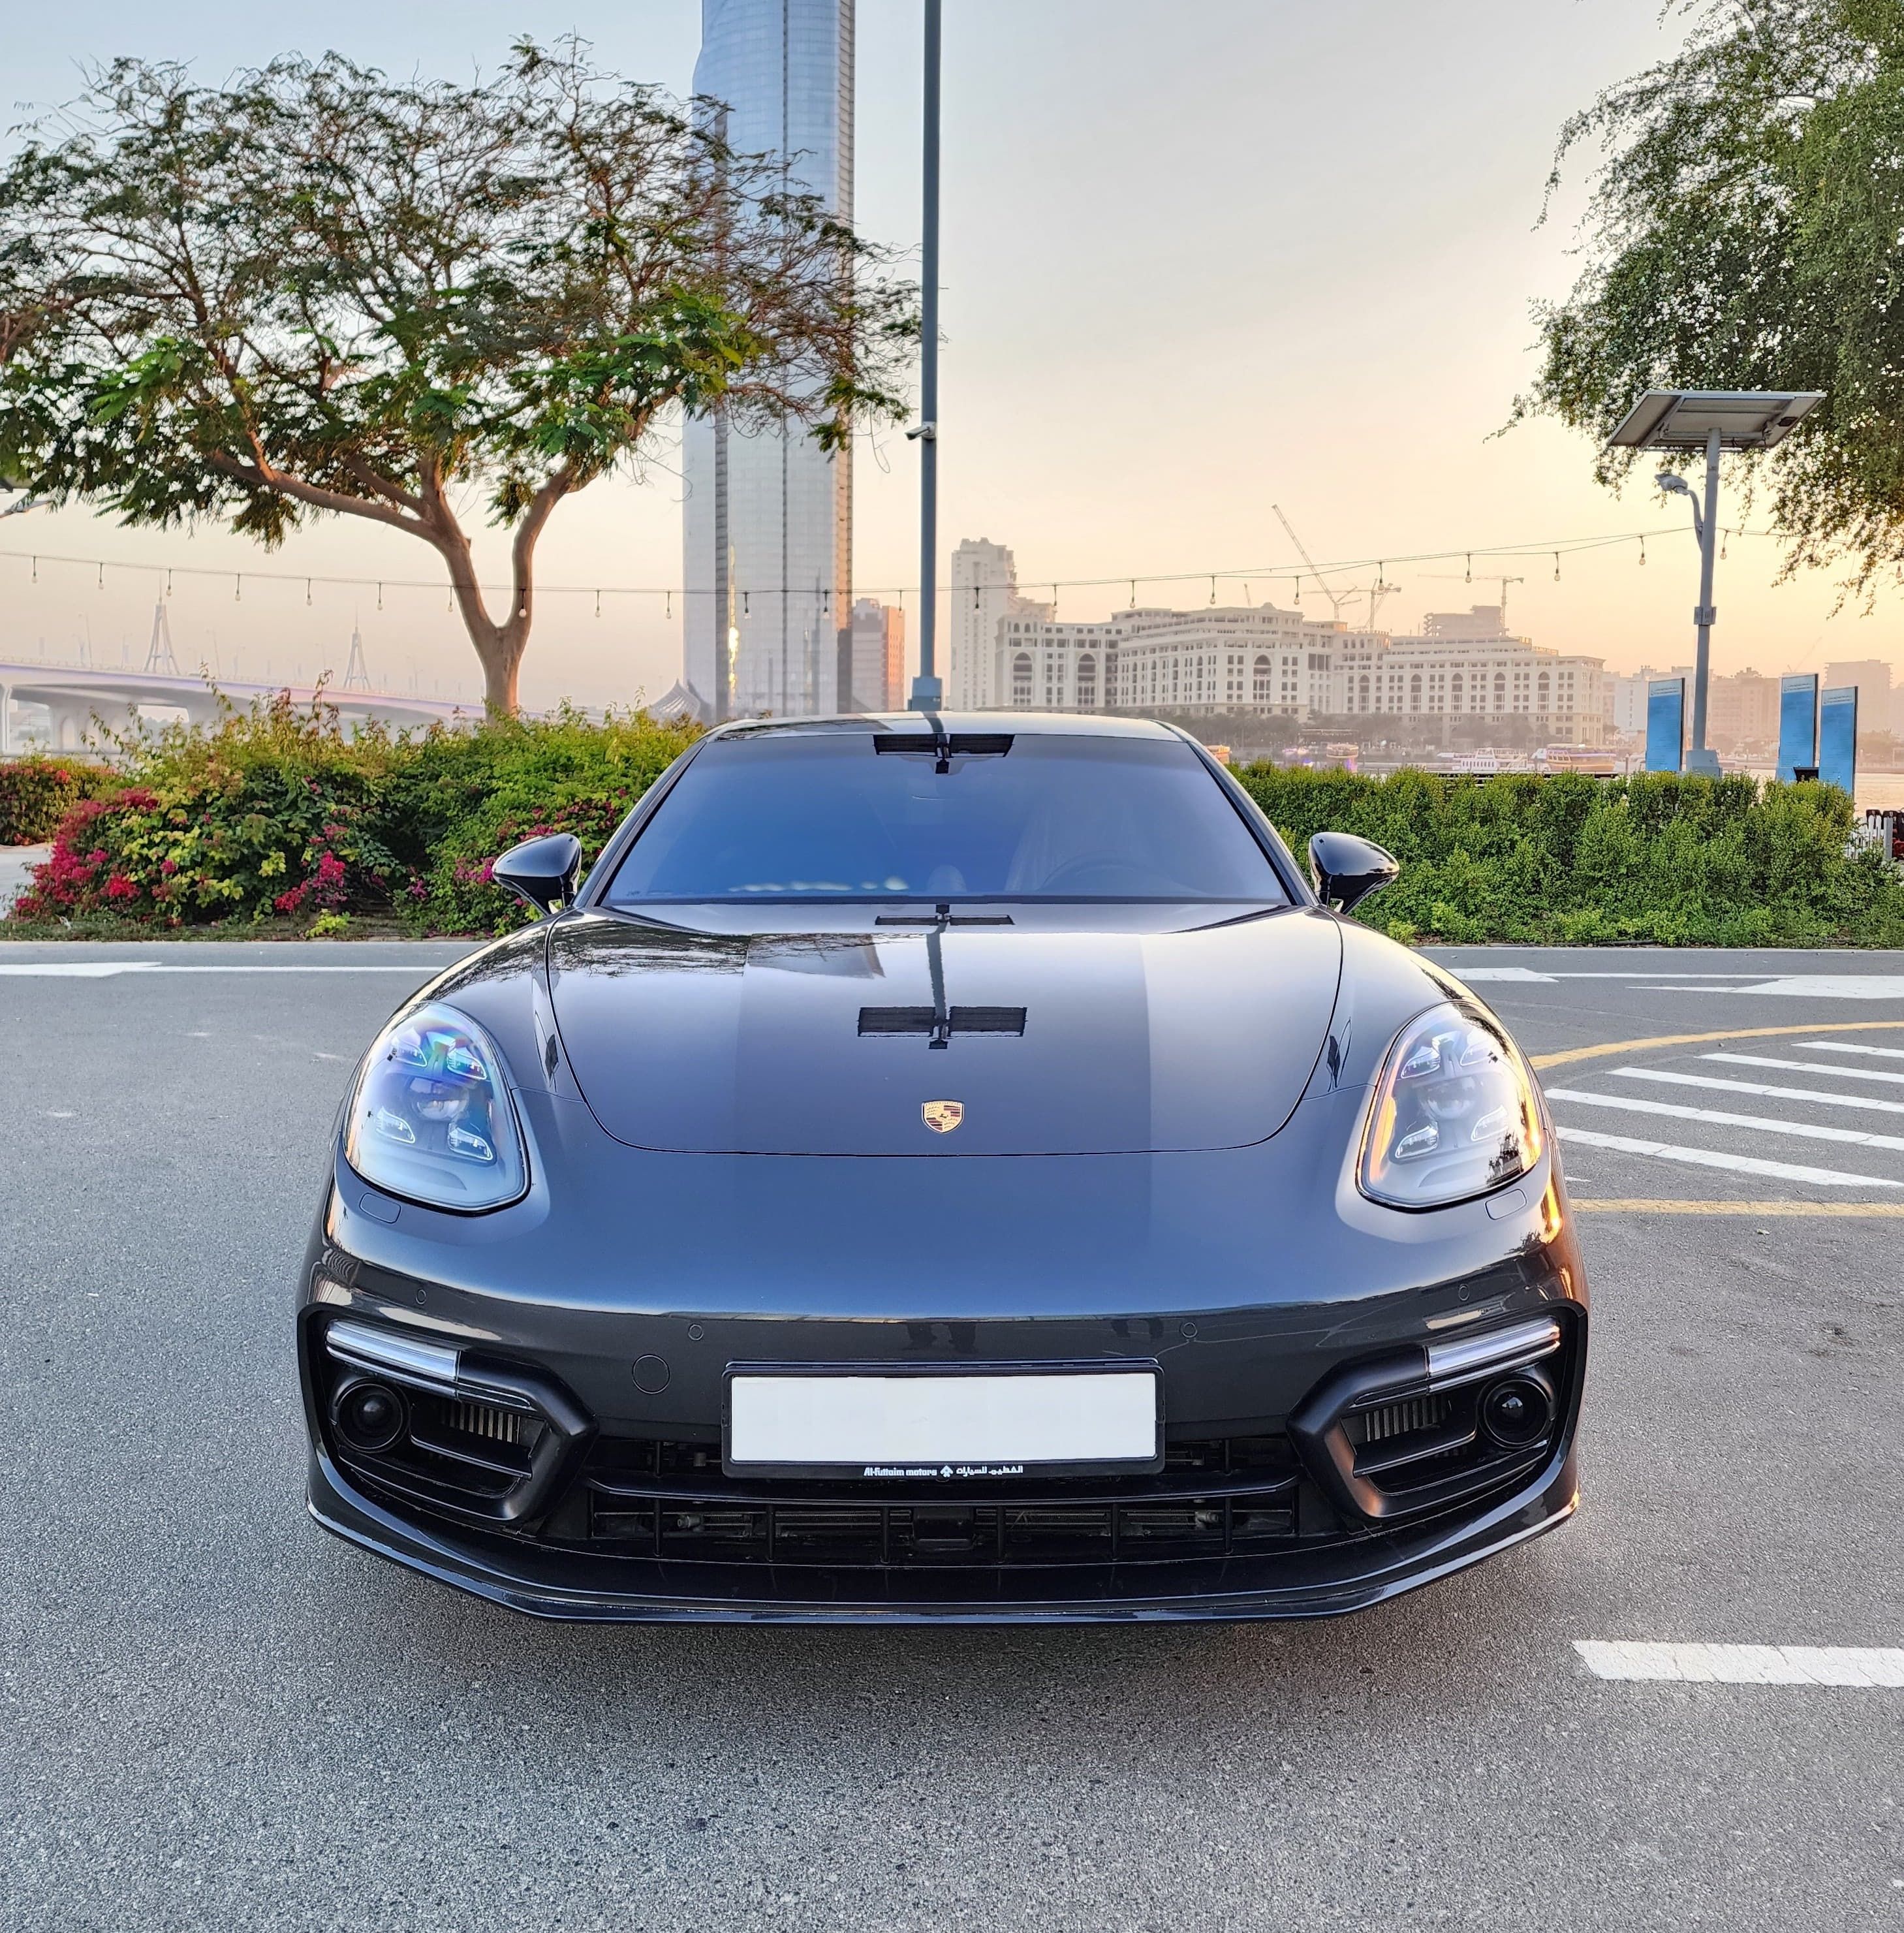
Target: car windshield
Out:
[830,817]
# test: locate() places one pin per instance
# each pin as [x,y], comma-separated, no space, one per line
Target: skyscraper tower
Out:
[767,522]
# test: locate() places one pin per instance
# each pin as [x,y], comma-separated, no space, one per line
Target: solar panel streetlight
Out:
[1713,420]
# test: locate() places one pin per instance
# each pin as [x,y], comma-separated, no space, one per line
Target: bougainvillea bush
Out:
[277,814]
[37,793]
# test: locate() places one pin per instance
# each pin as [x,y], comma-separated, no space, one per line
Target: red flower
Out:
[119,887]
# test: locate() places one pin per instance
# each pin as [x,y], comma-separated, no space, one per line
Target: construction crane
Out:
[1336,598]
[1376,592]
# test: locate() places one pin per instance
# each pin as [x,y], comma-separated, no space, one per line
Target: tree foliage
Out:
[1747,231]
[318,291]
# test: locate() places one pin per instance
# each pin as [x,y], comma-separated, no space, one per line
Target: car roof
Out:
[1028,724]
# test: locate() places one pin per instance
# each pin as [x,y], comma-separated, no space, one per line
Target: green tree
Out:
[1747,231]
[316,291]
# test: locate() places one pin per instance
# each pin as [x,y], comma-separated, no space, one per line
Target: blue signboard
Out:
[1837,738]
[1797,724]
[1665,724]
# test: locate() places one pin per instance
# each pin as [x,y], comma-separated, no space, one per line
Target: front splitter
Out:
[1384,1568]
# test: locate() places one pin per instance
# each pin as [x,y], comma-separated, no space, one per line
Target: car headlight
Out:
[432,1118]
[1455,1115]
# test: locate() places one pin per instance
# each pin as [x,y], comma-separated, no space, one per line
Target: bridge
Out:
[75,695]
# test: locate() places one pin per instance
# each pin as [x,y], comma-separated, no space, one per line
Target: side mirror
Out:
[542,871]
[1347,869]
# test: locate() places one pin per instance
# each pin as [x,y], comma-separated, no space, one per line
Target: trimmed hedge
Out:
[274,814]
[1656,859]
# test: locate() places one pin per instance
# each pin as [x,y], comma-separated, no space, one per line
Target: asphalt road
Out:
[213,1716]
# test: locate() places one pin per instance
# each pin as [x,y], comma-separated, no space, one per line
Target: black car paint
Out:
[1249,1272]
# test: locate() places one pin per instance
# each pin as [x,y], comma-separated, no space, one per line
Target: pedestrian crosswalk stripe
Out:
[1869,1101]
[1600,1050]
[1808,1067]
[1758,1123]
[1845,1667]
[1733,1164]
[1852,1046]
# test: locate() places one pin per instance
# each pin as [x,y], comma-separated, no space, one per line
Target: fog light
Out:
[1519,1410]
[370,1416]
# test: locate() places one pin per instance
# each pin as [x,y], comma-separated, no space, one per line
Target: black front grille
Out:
[1217,1498]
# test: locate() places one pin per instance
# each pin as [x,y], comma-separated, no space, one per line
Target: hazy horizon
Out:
[1195,265]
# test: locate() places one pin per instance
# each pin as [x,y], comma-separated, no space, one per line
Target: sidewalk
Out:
[16,864]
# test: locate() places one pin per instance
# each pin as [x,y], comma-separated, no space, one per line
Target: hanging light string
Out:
[1544,547]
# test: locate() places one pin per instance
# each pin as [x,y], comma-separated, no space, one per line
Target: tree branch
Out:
[261,476]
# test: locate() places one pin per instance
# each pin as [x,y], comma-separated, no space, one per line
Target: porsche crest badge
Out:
[941,1116]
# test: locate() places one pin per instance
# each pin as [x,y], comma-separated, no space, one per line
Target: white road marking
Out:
[1851,1047]
[1528,976]
[77,970]
[1761,1088]
[1735,1164]
[1807,1067]
[1835,987]
[103,970]
[1806,1130]
[1807,986]
[1680,988]
[1874,1667]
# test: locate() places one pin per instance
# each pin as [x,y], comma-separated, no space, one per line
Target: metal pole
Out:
[1698,758]
[927,691]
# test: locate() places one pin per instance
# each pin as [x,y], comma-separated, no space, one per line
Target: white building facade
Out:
[983,596]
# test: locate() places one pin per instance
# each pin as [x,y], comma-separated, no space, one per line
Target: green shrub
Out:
[37,793]
[275,814]
[1656,858]
[275,811]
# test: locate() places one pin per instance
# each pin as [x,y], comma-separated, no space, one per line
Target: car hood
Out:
[1078,1031]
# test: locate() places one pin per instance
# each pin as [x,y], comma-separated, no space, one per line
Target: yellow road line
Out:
[1568,1055]
[1645,1205]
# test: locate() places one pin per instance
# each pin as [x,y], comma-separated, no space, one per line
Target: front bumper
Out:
[608,1516]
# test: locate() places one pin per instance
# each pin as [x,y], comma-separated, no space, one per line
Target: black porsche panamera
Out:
[943,1167]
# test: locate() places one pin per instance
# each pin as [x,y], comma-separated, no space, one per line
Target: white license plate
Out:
[922,1423]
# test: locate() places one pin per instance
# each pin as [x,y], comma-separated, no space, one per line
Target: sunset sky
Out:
[1198,260]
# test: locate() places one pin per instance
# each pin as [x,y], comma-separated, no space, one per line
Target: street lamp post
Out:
[1681,420]
[928,690]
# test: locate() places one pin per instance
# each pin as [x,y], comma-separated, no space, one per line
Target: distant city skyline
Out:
[1251,253]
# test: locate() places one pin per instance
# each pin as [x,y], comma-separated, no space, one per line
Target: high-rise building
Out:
[984,591]
[768,518]
[1873,677]
[873,659]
